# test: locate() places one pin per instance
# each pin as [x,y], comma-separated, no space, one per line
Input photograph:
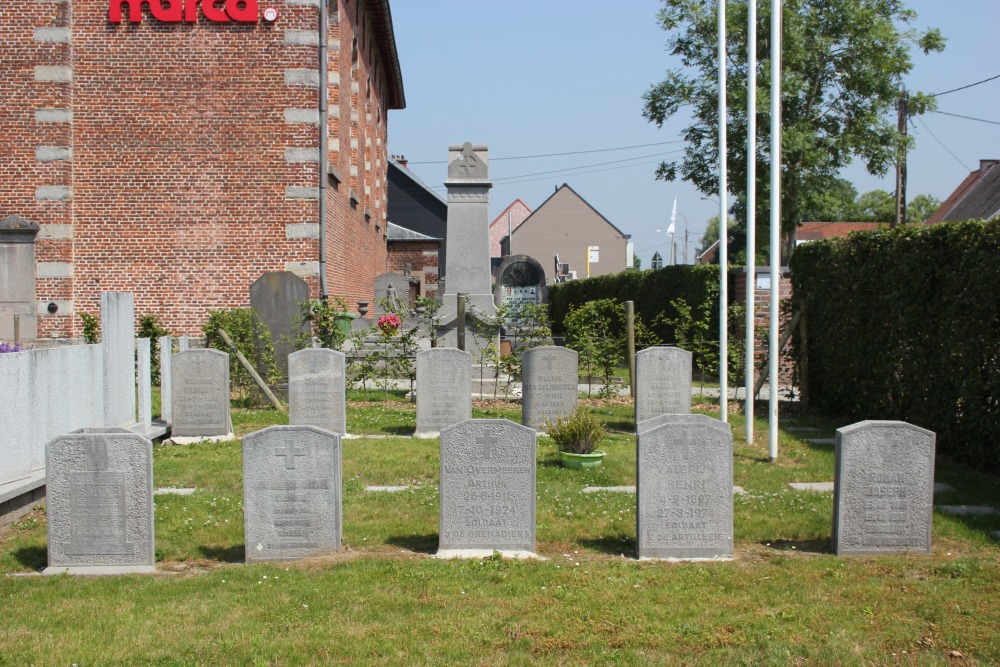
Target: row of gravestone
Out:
[318,381]
[100,492]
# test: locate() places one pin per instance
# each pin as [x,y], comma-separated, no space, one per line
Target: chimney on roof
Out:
[986,164]
[401,159]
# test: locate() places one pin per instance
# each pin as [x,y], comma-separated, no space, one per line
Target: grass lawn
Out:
[784,599]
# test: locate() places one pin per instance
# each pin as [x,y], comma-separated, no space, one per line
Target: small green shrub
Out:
[91,328]
[150,328]
[580,433]
[253,339]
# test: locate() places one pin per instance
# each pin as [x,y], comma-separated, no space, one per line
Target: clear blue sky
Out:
[535,77]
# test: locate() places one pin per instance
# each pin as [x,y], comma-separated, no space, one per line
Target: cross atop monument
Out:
[290,451]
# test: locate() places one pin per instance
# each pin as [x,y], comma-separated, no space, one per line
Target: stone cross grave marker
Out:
[291,493]
[549,384]
[99,488]
[444,389]
[883,493]
[487,489]
[685,488]
[316,389]
[200,393]
[662,382]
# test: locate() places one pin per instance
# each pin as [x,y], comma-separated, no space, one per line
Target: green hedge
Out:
[651,291]
[905,324]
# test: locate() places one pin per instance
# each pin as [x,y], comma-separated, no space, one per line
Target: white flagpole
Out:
[670,230]
[723,227]
[751,212]
[775,226]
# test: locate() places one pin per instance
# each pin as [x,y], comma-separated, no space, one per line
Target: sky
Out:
[542,77]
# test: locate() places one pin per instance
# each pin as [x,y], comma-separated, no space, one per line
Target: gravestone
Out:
[144,382]
[118,345]
[444,389]
[99,488]
[291,493]
[275,297]
[520,281]
[883,494]
[316,386]
[684,489]
[166,382]
[549,384]
[487,489]
[200,392]
[662,382]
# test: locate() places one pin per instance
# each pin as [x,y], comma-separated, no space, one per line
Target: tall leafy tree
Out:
[844,62]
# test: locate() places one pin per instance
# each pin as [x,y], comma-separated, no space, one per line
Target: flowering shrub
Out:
[389,324]
[13,347]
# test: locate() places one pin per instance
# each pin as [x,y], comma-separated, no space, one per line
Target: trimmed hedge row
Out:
[905,324]
[651,291]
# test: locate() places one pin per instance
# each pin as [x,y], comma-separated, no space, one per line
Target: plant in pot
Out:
[577,437]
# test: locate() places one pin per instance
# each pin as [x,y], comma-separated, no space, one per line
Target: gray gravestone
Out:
[316,386]
[487,488]
[444,389]
[166,358]
[394,288]
[99,489]
[662,382]
[200,392]
[275,297]
[684,489]
[549,384]
[118,344]
[883,496]
[291,493]
[144,382]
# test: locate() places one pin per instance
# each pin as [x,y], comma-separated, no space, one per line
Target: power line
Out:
[584,166]
[942,144]
[981,120]
[955,90]
[595,150]
[591,171]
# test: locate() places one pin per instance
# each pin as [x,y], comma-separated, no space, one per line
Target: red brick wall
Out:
[183,153]
[422,256]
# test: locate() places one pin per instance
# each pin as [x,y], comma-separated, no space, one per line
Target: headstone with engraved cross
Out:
[291,493]
[99,488]
[883,488]
[487,489]
[549,384]
[684,488]
[662,382]
[444,389]
[316,389]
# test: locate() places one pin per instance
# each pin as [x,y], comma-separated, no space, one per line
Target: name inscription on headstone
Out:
[550,384]
[200,393]
[316,389]
[663,382]
[444,388]
[488,486]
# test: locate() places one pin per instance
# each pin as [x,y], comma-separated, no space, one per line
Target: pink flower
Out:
[389,324]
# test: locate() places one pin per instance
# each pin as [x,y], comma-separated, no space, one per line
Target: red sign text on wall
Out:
[177,11]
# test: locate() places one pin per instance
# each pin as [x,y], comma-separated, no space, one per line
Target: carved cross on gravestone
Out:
[548,364]
[97,456]
[488,441]
[290,451]
[685,443]
[892,447]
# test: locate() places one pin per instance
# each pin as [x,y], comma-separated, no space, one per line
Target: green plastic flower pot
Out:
[592,460]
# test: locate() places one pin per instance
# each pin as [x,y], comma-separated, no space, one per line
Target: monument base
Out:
[711,559]
[195,439]
[99,570]
[477,554]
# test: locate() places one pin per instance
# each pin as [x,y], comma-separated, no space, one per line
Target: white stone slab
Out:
[100,570]
[821,487]
[173,491]
[388,489]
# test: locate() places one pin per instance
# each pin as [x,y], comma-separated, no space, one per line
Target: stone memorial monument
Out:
[487,489]
[549,384]
[118,344]
[291,493]
[391,288]
[316,389]
[883,493]
[99,488]
[662,382]
[200,394]
[684,489]
[444,389]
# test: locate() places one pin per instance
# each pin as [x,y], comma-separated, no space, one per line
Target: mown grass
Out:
[785,599]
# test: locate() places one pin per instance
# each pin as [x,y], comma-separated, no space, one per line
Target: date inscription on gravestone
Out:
[444,388]
[663,382]
[550,384]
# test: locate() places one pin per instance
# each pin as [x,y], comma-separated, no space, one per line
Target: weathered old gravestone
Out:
[549,384]
[200,393]
[166,378]
[883,494]
[275,297]
[99,488]
[684,488]
[444,389]
[487,489]
[118,344]
[316,389]
[391,289]
[291,493]
[662,382]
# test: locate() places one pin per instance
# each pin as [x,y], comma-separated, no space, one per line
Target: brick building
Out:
[172,149]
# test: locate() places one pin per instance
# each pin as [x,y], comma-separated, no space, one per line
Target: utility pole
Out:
[903,109]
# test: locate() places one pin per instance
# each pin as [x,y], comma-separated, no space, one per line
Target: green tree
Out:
[843,68]
[921,207]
